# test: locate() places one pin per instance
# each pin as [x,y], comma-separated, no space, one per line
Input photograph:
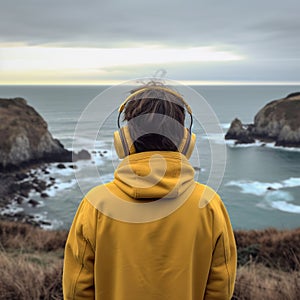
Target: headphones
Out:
[122,139]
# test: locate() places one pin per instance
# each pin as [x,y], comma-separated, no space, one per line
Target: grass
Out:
[256,281]
[31,262]
[277,249]
[15,235]
[23,277]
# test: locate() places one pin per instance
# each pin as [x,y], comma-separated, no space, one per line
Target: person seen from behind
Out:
[153,233]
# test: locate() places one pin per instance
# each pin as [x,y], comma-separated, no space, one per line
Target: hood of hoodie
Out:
[154,175]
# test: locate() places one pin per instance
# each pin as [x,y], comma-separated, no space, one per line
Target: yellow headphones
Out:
[122,139]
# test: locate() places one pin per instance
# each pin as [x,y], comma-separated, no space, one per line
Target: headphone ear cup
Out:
[123,142]
[187,144]
[118,144]
[191,146]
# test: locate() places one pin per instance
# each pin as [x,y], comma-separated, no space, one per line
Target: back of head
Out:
[155,117]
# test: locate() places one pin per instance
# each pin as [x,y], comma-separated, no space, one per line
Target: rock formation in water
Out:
[278,121]
[25,139]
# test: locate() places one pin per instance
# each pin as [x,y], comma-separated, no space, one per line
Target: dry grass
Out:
[255,281]
[31,263]
[279,249]
[23,236]
[23,278]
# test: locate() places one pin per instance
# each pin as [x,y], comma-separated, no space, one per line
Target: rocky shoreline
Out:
[278,122]
[26,149]
[16,189]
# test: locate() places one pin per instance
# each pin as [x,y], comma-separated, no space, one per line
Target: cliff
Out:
[278,121]
[25,138]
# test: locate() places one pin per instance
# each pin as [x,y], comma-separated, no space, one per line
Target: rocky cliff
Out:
[278,121]
[25,139]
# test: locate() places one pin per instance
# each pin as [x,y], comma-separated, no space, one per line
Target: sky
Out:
[94,42]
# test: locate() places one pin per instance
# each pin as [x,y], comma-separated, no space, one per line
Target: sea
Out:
[259,183]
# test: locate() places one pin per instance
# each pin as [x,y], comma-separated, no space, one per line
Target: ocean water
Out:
[261,183]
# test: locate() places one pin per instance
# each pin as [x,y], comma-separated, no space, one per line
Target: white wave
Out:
[272,145]
[219,138]
[225,125]
[46,223]
[11,209]
[286,207]
[254,187]
[232,144]
[257,143]
[260,188]
[273,195]
[291,182]
[59,186]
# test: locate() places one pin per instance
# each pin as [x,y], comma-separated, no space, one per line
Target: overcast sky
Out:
[92,41]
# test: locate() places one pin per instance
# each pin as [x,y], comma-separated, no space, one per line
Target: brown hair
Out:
[149,103]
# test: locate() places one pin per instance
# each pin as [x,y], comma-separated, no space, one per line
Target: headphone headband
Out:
[122,106]
[124,144]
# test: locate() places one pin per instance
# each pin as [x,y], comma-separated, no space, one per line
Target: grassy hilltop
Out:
[31,262]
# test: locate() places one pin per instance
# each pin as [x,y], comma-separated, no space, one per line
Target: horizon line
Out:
[119,82]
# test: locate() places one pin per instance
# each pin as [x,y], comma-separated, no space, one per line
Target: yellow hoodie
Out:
[153,233]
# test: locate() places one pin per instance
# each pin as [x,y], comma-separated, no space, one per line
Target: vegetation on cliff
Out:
[31,261]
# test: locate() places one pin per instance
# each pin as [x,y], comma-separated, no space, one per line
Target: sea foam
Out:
[287,207]
[261,188]
[272,192]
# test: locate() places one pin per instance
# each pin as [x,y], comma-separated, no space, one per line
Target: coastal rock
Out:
[81,155]
[73,167]
[278,121]
[61,166]
[239,132]
[8,189]
[25,139]
[33,202]
[25,146]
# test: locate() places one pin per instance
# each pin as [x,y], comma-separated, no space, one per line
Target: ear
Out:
[123,142]
[187,144]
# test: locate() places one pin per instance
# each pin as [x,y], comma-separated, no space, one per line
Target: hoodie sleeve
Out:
[222,273]
[78,273]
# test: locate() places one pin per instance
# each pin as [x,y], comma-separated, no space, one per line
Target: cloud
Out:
[117,23]
[264,32]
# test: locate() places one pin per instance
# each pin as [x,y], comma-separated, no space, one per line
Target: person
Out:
[153,232]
